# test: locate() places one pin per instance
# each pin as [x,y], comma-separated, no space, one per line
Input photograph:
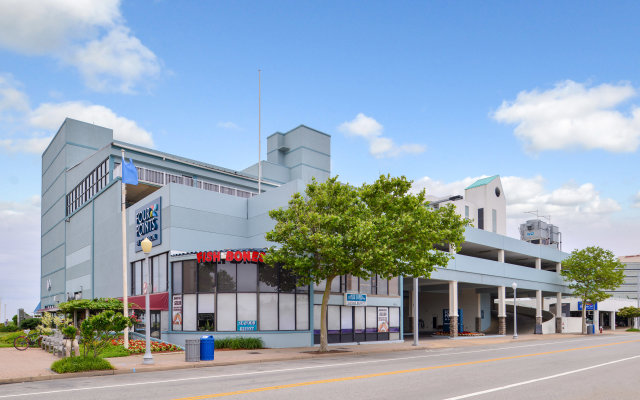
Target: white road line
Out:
[575,371]
[292,369]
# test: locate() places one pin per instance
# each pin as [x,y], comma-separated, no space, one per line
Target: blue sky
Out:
[541,93]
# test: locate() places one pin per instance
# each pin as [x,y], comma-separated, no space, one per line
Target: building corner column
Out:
[502,311]
[538,330]
[453,309]
[479,312]
[613,320]
[558,312]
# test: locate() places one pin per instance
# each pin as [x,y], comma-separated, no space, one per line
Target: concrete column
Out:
[558,312]
[613,320]
[538,263]
[502,312]
[596,321]
[558,267]
[538,312]
[453,309]
[501,255]
[479,312]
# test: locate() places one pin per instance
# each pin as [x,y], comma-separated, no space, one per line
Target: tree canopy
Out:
[98,304]
[380,228]
[591,272]
[629,312]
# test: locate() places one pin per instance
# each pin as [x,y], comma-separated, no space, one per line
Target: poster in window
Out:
[383,319]
[177,312]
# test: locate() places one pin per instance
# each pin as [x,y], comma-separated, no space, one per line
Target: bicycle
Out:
[23,342]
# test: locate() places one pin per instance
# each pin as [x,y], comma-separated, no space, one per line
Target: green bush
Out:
[6,339]
[633,330]
[239,343]
[30,323]
[9,328]
[70,331]
[81,363]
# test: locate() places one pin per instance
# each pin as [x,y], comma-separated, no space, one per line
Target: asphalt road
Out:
[584,368]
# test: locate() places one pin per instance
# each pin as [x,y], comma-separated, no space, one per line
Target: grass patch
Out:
[110,351]
[78,364]
[6,339]
[239,343]
[633,330]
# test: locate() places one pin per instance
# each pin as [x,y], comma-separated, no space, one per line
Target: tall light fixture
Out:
[146,248]
[515,314]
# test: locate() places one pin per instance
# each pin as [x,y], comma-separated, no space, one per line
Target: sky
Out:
[544,94]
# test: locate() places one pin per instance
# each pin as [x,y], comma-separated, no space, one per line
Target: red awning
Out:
[157,301]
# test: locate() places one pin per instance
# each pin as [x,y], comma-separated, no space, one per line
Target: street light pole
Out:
[148,358]
[515,314]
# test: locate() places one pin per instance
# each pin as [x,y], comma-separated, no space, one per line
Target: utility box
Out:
[192,350]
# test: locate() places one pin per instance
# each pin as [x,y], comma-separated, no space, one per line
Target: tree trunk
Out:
[584,317]
[323,315]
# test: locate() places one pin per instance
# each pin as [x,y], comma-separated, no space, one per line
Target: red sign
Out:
[230,256]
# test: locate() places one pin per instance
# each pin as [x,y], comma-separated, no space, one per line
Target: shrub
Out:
[81,363]
[633,330]
[69,332]
[7,340]
[9,328]
[239,343]
[30,323]
[97,331]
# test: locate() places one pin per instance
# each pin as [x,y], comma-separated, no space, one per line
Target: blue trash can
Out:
[590,329]
[207,346]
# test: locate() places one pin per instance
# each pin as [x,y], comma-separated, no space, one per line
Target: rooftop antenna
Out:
[259,138]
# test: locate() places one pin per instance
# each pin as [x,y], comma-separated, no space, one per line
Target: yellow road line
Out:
[404,371]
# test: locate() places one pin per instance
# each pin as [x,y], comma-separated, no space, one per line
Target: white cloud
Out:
[115,62]
[228,125]
[48,117]
[582,214]
[379,146]
[19,286]
[88,35]
[35,145]
[572,115]
[636,200]
[45,26]
[51,115]
[11,98]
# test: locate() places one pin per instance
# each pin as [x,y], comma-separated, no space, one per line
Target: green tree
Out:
[629,312]
[590,273]
[381,228]
[97,331]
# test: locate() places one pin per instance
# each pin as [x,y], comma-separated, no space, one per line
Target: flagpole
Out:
[125,297]
[259,138]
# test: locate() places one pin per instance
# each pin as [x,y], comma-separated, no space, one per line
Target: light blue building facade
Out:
[207,225]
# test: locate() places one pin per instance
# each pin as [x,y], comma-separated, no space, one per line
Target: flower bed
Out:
[139,346]
[464,333]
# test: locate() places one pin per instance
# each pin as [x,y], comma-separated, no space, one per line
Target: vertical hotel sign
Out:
[149,223]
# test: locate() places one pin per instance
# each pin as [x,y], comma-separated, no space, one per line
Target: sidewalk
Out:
[33,364]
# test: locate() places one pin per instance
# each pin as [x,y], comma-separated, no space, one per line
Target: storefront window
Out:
[206,277]
[268,276]
[382,286]
[287,281]
[189,276]
[226,277]
[177,277]
[239,297]
[155,274]
[226,312]
[268,312]
[162,277]
[247,277]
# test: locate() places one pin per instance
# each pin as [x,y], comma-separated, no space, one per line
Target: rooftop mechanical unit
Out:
[539,232]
